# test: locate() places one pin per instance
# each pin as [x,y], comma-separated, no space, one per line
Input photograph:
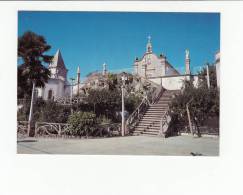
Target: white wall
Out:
[57,87]
[174,83]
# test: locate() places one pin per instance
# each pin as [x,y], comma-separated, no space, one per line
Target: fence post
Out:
[189,118]
[59,129]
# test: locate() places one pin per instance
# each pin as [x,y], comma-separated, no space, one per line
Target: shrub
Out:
[103,120]
[82,123]
[51,111]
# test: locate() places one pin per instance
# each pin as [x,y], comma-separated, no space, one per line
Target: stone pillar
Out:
[136,66]
[187,63]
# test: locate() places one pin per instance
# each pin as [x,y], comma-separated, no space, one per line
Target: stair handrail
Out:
[142,107]
[138,112]
[163,121]
[157,94]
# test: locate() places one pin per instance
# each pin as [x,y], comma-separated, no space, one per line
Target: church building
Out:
[57,85]
[151,65]
[159,70]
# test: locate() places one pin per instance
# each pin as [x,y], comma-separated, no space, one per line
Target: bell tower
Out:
[57,67]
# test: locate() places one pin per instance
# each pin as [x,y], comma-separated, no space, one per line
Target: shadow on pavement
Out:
[26,140]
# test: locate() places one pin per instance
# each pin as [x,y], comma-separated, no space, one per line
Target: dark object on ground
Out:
[196,154]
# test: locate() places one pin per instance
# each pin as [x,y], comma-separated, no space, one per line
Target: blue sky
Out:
[89,39]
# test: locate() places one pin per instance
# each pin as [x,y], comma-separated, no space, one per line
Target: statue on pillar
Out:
[104,69]
[187,54]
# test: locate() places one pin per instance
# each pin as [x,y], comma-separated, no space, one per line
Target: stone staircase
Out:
[149,124]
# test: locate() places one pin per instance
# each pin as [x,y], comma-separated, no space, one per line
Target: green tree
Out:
[32,72]
[212,75]
[105,102]
[203,101]
[112,81]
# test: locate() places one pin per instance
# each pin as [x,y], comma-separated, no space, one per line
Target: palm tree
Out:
[31,49]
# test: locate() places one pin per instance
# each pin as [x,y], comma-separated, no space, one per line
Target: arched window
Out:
[50,94]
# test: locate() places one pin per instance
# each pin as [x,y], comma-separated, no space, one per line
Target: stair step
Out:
[151,130]
[140,128]
[156,111]
[149,133]
[158,106]
[145,124]
[152,117]
[167,99]
[149,124]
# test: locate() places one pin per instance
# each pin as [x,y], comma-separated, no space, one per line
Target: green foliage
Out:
[132,101]
[203,103]
[212,74]
[112,81]
[45,111]
[105,102]
[103,120]
[82,123]
[50,111]
[31,49]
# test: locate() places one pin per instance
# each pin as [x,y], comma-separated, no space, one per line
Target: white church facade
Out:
[57,85]
[151,65]
[159,70]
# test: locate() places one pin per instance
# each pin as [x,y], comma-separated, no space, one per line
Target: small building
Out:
[57,85]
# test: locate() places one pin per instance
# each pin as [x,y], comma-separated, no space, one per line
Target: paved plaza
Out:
[131,145]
